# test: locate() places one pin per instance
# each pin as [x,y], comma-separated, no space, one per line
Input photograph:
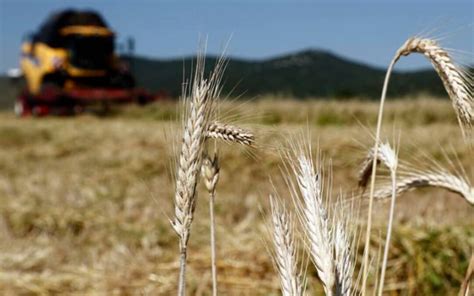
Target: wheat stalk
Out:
[210,175]
[315,221]
[201,103]
[285,254]
[329,243]
[459,88]
[390,158]
[441,179]
[229,133]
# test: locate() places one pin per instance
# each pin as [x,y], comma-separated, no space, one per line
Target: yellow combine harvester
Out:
[70,63]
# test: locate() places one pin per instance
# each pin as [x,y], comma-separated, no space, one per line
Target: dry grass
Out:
[85,202]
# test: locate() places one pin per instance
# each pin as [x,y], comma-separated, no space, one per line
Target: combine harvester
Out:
[70,64]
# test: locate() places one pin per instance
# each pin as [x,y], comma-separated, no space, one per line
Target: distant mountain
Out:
[309,73]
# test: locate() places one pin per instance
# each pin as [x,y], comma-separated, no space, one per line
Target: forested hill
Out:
[310,73]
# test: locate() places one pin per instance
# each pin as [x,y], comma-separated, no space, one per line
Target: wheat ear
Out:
[229,133]
[441,179]
[458,85]
[210,175]
[344,260]
[315,221]
[201,104]
[285,255]
[386,156]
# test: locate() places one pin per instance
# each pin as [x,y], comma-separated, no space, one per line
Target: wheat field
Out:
[86,201]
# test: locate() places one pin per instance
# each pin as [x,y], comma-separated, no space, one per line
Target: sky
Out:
[366,31]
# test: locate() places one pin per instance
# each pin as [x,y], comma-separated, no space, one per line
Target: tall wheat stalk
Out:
[328,240]
[315,221]
[391,160]
[196,122]
[464,291]
[459,88]
[210,174]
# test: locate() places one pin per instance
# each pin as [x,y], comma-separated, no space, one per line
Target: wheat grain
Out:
[285,254]
[229,133]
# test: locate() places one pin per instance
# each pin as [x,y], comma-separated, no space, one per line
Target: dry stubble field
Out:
[85,201]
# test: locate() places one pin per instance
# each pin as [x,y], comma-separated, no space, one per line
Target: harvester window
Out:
[90,52]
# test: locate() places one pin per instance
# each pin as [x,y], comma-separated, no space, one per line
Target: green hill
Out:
[309,73]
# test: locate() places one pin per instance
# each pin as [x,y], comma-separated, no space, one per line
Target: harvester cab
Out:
[70,63]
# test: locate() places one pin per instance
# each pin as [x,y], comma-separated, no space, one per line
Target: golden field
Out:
[85,201]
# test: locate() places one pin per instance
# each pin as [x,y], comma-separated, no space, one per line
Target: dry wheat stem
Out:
[391,160]
[458,85]
[229,133]
[365,260]
[210,175]
[439,179]
[315,221]
[464,291]
[201,104]
[459,88]
[285,254]
[388,157]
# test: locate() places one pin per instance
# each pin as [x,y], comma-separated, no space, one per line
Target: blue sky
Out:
[367,31]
